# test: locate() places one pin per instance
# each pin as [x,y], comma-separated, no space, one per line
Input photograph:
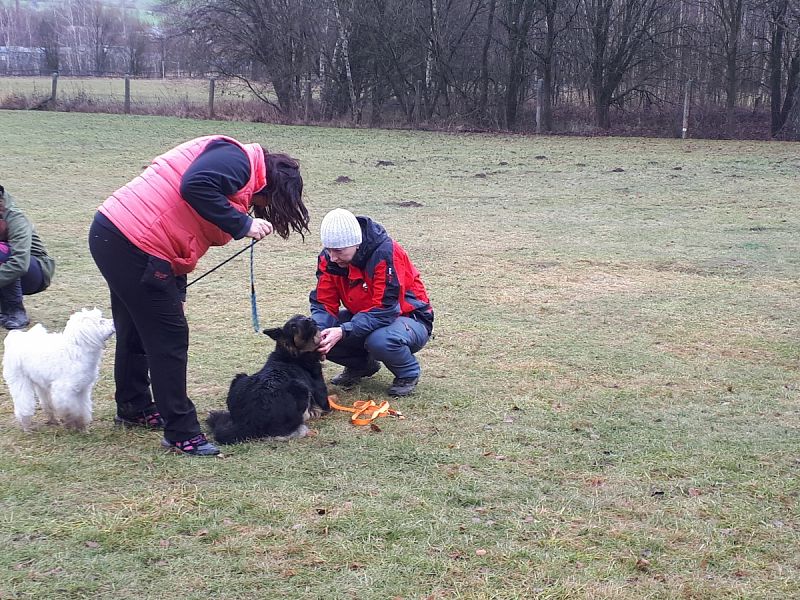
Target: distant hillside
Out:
[143,9]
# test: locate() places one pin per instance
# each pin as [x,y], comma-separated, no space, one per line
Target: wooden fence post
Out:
[54,89]
[539,88]
[686,95]
[127,93]
[211,84]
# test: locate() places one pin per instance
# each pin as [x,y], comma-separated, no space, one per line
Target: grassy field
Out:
[609,408]
[109,89]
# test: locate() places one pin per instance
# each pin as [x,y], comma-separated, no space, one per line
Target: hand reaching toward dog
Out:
[329,338]
[259,229]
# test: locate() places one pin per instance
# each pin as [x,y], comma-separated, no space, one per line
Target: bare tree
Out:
[270,35]
[519,16]
[557,17]
[49,41]
[484,76]
[783,17]
[344,44]
[729,15]
[616,33]
[102,29]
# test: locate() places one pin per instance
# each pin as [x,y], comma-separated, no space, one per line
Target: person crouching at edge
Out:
[25,267]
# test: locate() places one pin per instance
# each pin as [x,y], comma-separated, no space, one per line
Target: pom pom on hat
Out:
[340,229]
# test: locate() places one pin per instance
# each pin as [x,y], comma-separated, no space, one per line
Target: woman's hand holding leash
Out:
[259,229]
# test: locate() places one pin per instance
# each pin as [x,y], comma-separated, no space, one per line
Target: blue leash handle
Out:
[253,306]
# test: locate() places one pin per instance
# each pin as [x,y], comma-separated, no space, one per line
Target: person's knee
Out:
[381,342]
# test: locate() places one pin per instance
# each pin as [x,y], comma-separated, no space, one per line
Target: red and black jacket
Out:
[379,285]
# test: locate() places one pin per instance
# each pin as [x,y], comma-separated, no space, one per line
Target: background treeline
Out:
[582,65]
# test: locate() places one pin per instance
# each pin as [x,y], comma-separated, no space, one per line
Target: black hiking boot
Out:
[403,386]
[16,318]
[350,377]
[149,419]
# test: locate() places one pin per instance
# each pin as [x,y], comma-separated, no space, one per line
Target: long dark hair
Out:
[285,208]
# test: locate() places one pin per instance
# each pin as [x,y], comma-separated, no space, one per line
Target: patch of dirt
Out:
[405,204]
[544,264]
[343,179]
[384,163]
[707,349]
[712,268]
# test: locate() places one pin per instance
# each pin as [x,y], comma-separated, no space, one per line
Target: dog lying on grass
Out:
[58,368]
[277,401]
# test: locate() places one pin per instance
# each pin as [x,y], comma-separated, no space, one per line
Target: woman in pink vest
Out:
[150,233]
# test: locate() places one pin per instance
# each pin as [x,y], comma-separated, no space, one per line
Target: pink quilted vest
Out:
[153,215]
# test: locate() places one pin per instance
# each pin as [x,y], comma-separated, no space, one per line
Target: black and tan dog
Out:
[277,401]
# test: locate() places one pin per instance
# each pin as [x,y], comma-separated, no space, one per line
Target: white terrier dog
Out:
[60,368]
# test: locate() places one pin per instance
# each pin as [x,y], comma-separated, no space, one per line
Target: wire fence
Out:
[229,99]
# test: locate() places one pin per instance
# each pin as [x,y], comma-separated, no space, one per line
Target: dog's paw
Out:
[316,412]
[26,424]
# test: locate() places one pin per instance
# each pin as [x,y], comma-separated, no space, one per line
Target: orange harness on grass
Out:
[365,411]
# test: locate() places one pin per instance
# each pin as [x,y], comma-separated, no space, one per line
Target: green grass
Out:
[609,408]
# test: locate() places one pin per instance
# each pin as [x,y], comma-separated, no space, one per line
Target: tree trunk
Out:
[547,97]
[514,87]
[730,92]
[792,83]
[547,71]
[601,112]
[776,65]
[732,23]
[343,40]
[520,15]
[484,76]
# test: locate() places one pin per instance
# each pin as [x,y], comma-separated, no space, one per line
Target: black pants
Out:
[152,332]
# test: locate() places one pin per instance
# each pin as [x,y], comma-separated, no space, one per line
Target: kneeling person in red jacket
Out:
[369,302]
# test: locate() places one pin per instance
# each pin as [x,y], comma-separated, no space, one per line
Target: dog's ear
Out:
[274,333]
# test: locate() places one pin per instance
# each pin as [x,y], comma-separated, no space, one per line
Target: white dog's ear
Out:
[274,333]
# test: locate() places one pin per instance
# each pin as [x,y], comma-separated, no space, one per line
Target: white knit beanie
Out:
[340,229]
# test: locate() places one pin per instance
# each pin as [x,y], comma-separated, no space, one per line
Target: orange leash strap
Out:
[365,411]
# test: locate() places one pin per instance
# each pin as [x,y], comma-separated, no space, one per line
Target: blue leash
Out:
[253,307]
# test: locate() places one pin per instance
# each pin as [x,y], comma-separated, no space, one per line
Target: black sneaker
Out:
[196,446]
[16,318]
[350,377]
[149,419]
[403,386]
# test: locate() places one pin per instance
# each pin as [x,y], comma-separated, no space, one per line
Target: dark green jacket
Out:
[24,243]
